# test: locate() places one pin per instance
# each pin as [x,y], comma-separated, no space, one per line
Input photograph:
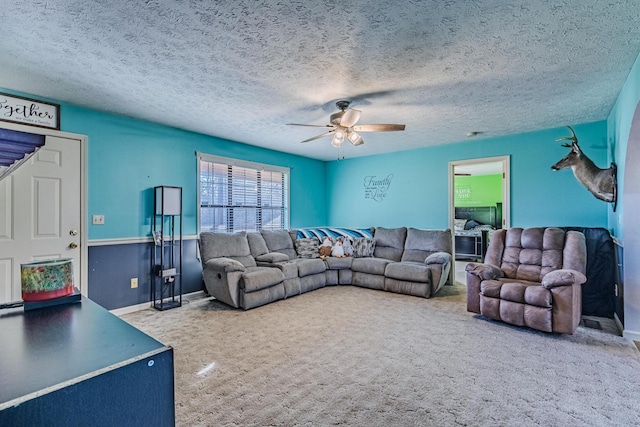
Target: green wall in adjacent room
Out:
[478,190]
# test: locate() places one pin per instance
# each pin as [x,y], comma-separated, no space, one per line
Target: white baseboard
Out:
[632,335]
[143,306]
[130,309]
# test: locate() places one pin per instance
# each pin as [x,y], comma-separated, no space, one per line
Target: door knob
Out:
[73,245]
[73,232]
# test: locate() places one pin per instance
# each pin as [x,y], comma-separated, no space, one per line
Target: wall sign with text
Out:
[376,188]
[25,111]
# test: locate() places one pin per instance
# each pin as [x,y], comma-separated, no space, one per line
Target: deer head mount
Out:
[602,183]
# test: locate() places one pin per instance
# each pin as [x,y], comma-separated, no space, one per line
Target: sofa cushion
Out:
[490,288]
[363,247]
[370,265]
[289,269]
[522,292]
[389,243]
[531,253]
[307,247]
[234,246]
[257,245]
[538,296]
[422,243]
[257,278]
[513,292]
[408,271]
[279,241]
[334,263]
[272,257]
[309,266]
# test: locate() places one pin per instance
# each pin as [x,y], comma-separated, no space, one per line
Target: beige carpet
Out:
[353,356]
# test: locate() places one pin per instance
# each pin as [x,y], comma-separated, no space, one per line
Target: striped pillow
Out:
[333,232]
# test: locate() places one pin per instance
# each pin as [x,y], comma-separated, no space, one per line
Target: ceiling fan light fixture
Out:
[343,125]
[338,138]
[354,138]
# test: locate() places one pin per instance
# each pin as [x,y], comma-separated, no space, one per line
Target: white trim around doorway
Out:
[84,284]
[506,194]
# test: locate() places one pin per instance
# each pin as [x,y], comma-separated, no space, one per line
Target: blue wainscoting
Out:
[111,268]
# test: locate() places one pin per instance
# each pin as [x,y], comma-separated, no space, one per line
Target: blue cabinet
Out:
[78,364]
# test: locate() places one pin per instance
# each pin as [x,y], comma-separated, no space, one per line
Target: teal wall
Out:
[477,190]
[624,139]
[618,127]
[127,157]
[418,192]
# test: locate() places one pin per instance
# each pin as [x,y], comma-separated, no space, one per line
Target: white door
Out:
[40,213]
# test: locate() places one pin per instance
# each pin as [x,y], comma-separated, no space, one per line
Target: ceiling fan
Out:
[343,126]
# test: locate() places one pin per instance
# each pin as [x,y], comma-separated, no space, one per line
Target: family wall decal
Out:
[376,188]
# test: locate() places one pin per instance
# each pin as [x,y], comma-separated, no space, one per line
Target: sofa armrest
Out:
[484,271]
[272,258]
[438,258]
[223,264]
[563,277]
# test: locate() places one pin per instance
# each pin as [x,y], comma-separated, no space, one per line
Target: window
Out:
[242,196]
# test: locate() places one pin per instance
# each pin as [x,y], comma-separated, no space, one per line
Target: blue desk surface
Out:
[46,347]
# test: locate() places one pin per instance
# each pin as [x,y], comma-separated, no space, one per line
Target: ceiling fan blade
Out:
[350,118]
[313,126]
[378,128]
[331,132]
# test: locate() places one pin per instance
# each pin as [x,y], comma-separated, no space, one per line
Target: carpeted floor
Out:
[353,356]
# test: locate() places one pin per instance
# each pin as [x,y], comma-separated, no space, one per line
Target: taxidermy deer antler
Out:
[602,183]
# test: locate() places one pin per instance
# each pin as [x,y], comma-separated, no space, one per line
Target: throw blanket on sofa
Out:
[333,232]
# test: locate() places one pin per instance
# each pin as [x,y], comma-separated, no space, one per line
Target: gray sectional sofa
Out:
[248,270]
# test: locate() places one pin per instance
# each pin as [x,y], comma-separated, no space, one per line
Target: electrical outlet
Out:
[98,220]
[134,283]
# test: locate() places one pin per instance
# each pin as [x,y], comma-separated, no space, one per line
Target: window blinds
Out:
[242,197]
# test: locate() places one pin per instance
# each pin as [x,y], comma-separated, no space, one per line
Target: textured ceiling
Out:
[243,69]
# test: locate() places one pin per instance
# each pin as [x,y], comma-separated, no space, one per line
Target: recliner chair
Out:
[530,277]
[231,274]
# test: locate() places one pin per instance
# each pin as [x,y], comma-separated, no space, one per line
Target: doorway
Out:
[43,211]
[479,201]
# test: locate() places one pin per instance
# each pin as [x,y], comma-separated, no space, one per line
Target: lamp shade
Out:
[43,280]
[168,200]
